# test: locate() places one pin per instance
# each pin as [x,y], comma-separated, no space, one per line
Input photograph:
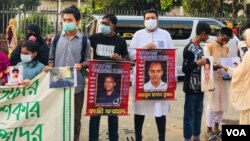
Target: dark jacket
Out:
[192,79]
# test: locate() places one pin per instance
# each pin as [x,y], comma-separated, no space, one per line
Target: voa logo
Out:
[236,132]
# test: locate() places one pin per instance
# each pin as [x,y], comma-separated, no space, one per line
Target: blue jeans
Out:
[192,115]
[94,125]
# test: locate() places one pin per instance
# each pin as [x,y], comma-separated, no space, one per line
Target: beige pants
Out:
[245,117]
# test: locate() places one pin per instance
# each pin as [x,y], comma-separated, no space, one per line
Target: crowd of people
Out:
[36,56]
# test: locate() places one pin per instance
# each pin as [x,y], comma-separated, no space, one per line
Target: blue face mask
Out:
[105,29]
[67,27]
[26,58]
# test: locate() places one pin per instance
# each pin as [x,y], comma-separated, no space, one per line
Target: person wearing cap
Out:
[32,30]
[216,101]
[107,45]
[67,53]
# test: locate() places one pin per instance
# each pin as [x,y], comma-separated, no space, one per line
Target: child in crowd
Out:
[29,56]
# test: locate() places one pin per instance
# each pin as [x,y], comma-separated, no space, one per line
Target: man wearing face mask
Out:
[68,52]
[107,46]
[151,37]
[32,30]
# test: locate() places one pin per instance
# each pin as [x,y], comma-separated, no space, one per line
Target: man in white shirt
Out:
[151,37]
[155,73]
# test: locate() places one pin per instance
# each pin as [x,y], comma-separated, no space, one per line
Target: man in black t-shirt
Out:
[107,46]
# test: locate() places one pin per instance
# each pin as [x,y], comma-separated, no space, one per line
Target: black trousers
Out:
[160,122]
[94,125]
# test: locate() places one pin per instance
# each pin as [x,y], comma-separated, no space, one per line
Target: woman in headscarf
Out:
[34,31]
[11,35]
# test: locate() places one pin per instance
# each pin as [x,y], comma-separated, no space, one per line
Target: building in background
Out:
[61,4]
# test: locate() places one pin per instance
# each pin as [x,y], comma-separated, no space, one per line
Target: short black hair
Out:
[109,76]
[226,31]
[32,47]
[235,63]
[150,11]
[203,27]
[15,70]
[155,62]
[72,10]
[111,17]
[207,61]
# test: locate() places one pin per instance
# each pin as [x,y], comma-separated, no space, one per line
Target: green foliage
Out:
[19,2]
[41,20]
[198,6]
[230,7]
[168,4]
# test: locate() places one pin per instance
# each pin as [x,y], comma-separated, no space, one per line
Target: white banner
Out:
[36,113]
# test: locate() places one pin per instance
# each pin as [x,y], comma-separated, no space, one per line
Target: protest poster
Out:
[155,74]
[36,113]
[232,62]
[15,76]
[62,77]
[108,88]
[207,75]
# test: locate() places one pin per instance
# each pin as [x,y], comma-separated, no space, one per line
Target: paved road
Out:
[174,123]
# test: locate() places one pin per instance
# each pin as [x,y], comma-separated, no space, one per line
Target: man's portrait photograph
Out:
[16,75]
[207,81]
[62,77]
[155,79]
[108,89]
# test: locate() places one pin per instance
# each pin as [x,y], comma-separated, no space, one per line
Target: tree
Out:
[197,6]
[9,8]
[168,4]
[231,7]
[41,20]
[234,6]
[20,2]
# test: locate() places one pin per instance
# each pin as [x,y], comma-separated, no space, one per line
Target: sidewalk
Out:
[174,122]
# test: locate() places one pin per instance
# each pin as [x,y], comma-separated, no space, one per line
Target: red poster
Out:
[155,74]
[108,88]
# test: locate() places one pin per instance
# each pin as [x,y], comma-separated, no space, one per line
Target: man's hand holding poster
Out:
[108,88]
[155,74]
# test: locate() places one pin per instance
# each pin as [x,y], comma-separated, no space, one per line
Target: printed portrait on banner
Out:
[108,88]
[155,74]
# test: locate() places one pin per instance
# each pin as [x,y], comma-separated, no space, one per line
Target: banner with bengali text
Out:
[108,88]
[36,113]
[155,74]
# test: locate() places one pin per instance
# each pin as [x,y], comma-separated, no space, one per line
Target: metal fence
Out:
[50,20]
[47,19]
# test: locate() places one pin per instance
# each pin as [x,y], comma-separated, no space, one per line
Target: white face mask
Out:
[26,58]
[150,24]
